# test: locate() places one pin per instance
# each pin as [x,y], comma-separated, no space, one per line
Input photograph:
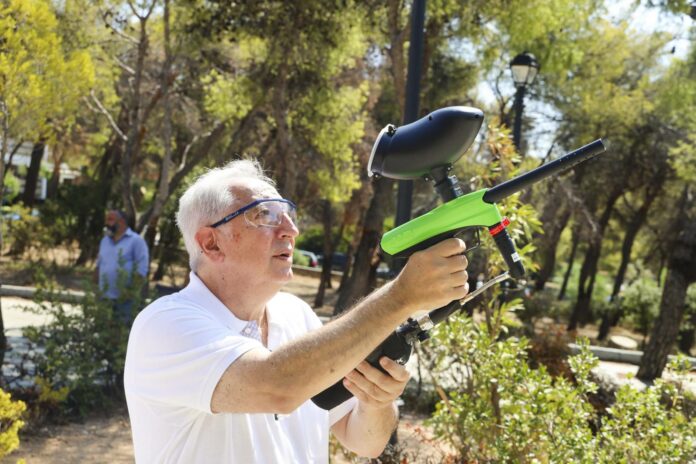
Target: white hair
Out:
[210,197]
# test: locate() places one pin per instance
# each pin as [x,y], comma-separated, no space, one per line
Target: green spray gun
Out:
[427,149]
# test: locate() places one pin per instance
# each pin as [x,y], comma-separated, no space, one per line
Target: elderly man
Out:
[223,370]
[122,265]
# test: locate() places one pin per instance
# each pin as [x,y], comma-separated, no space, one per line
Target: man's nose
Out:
[288,228]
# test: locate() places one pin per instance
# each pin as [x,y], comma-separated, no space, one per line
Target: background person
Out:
[122,265]
[223,370]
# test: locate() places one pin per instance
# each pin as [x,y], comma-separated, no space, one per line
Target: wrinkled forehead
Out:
[248,190]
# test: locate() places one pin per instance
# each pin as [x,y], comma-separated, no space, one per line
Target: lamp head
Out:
[436,140]
[524,69]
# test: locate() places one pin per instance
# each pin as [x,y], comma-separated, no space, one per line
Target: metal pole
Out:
[518,108]
[415,58]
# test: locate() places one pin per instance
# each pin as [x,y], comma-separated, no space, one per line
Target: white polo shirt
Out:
[179,347]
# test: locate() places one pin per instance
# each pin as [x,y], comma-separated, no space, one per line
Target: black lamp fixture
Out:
[524,69]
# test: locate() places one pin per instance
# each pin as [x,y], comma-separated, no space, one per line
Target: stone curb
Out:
[618,355]
[67,296]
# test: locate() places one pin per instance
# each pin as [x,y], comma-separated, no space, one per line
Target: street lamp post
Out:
[524,69]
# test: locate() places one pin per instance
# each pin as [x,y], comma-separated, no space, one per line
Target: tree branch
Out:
[106,113]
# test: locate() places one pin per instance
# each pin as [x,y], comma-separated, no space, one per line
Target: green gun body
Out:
[449,220]
[444,221]
[478,209]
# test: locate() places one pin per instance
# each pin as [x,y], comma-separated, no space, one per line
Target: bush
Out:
[641,303]
[506,411]
[23,229]
[80,364]
[10,423]
[299,259]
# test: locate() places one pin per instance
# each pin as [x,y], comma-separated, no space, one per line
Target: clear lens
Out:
[269,214]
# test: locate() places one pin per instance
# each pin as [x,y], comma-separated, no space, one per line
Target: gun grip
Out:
[507,248]
[394,347]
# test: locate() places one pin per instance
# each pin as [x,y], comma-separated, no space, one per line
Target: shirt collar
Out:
[197,292]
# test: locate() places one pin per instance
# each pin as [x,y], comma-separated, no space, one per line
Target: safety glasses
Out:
[267,212]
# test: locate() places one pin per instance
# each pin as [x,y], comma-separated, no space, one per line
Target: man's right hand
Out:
[434,277]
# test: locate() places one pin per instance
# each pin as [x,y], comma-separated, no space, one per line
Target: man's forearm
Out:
[344,343]
[365,430]
[283,379]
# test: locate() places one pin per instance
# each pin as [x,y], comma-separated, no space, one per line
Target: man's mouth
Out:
[286,254]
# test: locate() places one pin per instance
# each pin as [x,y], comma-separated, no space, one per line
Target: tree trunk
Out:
[554,224]
[666,327]
[53,182]
[328,250]
[134,124]
[166,250]
[363,276]
[3,150]
[610,319]
[287,167]
[29,195]
[150,228]
[571,260]
[681,272]
[91,222]
[582,312]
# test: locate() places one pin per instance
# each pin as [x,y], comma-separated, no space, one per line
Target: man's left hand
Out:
[374,388]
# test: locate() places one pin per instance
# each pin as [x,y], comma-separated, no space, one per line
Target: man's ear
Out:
[207,241]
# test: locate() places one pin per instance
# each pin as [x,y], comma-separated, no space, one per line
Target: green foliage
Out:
[23,229]
[299,259]
[40,85]
[81,365]
[690,310]
[650,425]
[54,223]
[641,303]
[12,187]
[312,239]
[10,423]
[334,120]
[227,98]
[499,409]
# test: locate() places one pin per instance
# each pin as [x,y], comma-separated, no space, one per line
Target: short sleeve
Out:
[177,356]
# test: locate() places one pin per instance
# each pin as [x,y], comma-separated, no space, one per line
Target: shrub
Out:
[640,302]
[22,229]
[10,423]
[499,409]
[299,259]
[81,364]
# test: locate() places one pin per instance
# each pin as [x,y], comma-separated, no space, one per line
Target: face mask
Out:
[110,230]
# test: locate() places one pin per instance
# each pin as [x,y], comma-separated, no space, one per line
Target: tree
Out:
[681,266]
[33,75]
[681,272]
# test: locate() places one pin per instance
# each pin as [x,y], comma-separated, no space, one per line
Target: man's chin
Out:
[283,275]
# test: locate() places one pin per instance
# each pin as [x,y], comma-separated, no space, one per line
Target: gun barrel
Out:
[497,193]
